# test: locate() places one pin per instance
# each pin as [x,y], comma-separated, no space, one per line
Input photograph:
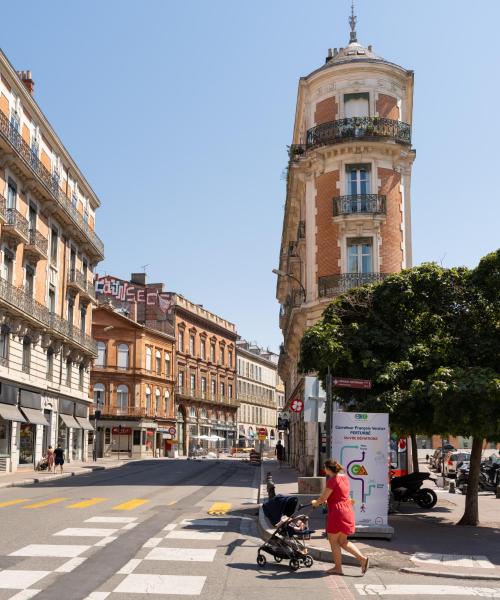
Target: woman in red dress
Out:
[340,522]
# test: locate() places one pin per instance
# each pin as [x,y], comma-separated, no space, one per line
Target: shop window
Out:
[26,354]
[137,437]
[101,355]
[107,436]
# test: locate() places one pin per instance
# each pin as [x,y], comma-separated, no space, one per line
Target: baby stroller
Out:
[292,530]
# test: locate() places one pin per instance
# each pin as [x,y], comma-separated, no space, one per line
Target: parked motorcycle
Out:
[409,488]
[489,477]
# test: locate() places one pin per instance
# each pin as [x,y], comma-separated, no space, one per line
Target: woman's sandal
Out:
[364,568]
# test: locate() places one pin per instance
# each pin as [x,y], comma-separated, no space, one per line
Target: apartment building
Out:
[257,394]
[48,252]
[347,211]
[132,382]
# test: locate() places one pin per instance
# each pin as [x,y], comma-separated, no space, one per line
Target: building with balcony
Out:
[257,371]
[132,383]
[347,212]
[47,239]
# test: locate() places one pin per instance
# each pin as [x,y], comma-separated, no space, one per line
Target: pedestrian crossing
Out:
[69,503]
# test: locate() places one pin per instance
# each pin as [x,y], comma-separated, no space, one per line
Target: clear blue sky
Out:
[179,114]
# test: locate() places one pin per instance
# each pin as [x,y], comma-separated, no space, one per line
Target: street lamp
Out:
[291,276]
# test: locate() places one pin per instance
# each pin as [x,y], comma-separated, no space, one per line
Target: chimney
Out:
[133,311]
[26,78]
[138,278]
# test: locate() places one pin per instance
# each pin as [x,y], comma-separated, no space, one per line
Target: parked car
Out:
[452,460]
[435,460]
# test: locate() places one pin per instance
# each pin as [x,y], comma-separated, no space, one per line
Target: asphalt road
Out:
[143,531]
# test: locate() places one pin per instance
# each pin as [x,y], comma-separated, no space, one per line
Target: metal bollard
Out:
[498,491]
[452,487]
[271,491]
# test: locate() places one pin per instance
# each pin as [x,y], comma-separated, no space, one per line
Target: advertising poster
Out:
[360,442]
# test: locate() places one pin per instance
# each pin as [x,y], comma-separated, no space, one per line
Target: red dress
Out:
[340,510]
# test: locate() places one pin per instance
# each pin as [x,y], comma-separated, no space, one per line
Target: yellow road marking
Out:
[130,505]
[45,503]
[11,502]
[219,508]
[85,503]
[172,503]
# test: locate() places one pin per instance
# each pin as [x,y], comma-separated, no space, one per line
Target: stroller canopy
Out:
[278,506]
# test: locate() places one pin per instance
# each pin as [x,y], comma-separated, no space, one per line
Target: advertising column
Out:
[360,442]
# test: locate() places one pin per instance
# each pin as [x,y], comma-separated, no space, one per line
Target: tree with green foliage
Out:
[416,335]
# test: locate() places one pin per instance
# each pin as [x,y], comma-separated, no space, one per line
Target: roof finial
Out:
[352,23]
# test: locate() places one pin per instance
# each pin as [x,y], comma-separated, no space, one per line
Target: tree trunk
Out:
[471,512]
[414,452]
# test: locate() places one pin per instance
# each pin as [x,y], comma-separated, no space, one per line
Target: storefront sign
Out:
[360,442]
[121,430]
[297,405]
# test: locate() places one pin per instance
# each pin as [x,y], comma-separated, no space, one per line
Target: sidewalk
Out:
[30,476]
[424,542]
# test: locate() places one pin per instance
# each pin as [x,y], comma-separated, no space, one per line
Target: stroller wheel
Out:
[308,561]
[278,559]
[261,560]
[294,564]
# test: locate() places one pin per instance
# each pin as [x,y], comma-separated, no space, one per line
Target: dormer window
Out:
[357,105]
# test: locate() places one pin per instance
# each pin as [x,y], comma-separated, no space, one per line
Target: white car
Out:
[452,460]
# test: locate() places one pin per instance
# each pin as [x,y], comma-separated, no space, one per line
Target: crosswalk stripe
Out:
[50,550]
[131,504]
[45,503]
[86,503]
[401,591]
[111,520]
[25,594]
[182,554]
[70,565]
[187,534]
[11,503]
[85,532]
[188,585]
[204,523]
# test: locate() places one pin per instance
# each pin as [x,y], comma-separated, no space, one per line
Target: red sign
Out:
[122,430]
[261,431]
[363,384]
[172,430]
[297,405]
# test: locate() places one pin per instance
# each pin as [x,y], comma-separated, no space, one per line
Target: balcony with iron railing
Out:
[359,205]
[21,303]
[37,245]
[49,183]
[257,400]
[333,285]
[201,396]
[353,128]
[16,227]
[78,281]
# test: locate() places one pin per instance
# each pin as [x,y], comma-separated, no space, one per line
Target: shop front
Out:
[31,432]
[181,432]
[10,420]
[166,438]
[80,435]
[69,431]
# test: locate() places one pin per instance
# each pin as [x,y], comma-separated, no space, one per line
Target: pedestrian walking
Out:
[340,521]
[280,453]
[58,458]
[50,459]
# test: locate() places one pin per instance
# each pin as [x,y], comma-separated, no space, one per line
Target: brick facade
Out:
[326,110]
[387,107]
[391,253]
[327,248]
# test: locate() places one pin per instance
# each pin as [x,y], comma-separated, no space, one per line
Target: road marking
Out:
[467,561]
[172,503]
[186,534]
[205,523]
[70,565]
[130,525]
[182,554]
[85,503]
[105,541]
[20,580]
[85,532]
[97,596]
[25,594]
[401,591]
[11,503]
[52,550]
[170,527]
[45,503]
[185,585]
[111,520]
[152,542]
[130,566]
[219,508]
[131,504]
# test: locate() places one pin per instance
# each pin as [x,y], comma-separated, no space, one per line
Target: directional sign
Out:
[297,405]
[363,384]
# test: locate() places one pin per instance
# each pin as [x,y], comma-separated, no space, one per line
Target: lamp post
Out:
[291,276]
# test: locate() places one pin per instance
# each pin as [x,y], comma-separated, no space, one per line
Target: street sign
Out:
[121,430]
[172,430]
[297,405]
[362,384]
[262,431]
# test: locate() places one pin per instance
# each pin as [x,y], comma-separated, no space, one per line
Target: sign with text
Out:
[362,384]
[121,430]
[360,442]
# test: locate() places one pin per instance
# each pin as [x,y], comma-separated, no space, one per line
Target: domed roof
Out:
[354,51]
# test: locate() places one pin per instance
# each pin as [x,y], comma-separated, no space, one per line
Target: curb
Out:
[416,571]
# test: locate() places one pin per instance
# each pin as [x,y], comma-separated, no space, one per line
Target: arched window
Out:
[121,399]
[123,358]
[158,362]
[192,411]
[148,400]
[99,394]
[101,355]
[158,400]
[167,365]
[149,354]
[166,401]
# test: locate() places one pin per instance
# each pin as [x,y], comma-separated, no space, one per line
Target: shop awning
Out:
[9,412]
[70,421]
[34,416]
[85,423]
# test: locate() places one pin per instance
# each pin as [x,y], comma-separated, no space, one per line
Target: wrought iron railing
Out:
[38,240]
[16,220]
[205,396]
[332,285]
[79,279]
[17,299]
[47,179]
[373,204]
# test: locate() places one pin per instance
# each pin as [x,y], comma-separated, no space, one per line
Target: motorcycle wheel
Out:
[261,560]
[308,561]
[426,498]
[294,564]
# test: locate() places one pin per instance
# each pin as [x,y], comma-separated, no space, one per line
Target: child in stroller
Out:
[288,540]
